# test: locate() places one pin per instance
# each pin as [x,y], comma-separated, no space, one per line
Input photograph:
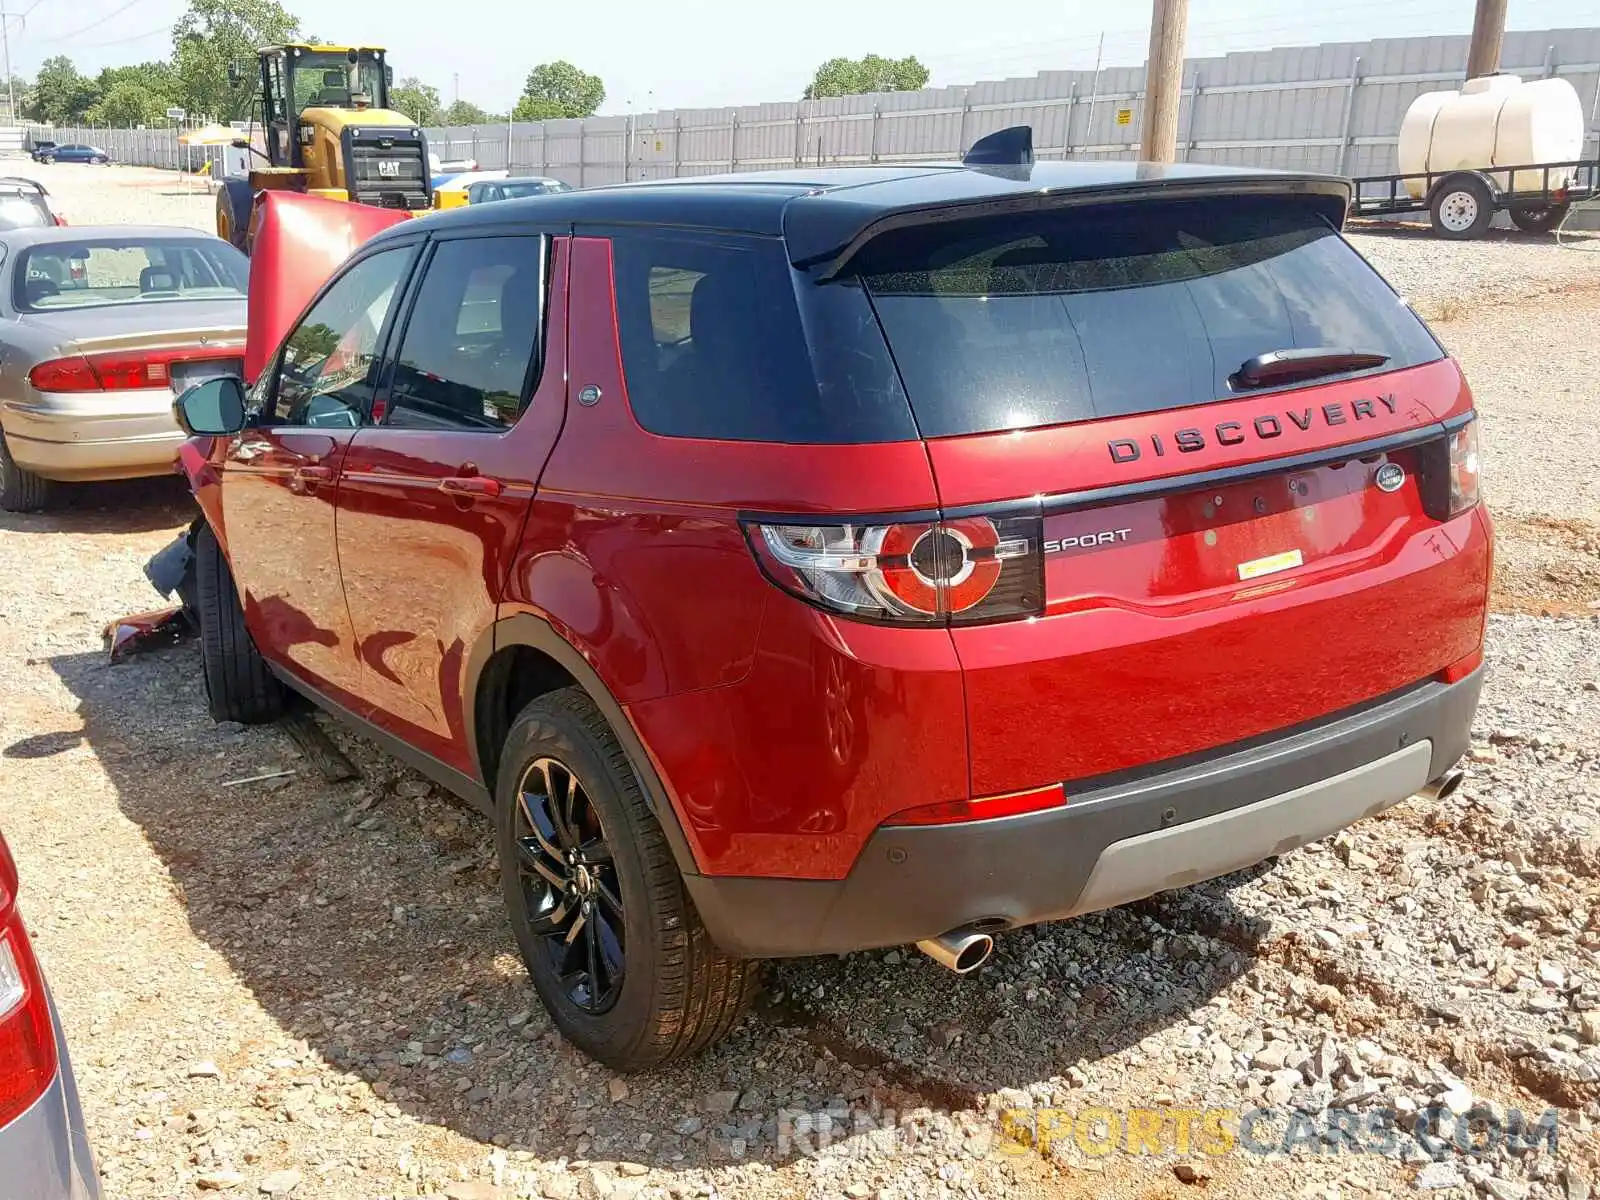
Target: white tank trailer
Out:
[1497,144]
[1493,121]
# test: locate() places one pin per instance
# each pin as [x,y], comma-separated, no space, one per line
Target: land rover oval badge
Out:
[1390,477]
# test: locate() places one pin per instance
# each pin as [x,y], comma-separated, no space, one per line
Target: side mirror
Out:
[388,76]
[235,76]
[215,407]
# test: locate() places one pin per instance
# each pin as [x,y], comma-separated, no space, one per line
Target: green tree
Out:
[463,113]
[136,95]
[22,89]
[874,73]
[214,33]
[556,90]
[417,100]
[60,95]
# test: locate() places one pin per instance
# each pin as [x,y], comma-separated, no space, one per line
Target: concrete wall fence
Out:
[1334,107]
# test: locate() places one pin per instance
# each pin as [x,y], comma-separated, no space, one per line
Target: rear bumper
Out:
[44,1153]
[1121,839]
[117,436]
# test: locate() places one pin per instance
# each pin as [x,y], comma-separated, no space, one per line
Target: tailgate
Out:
[1230,429]
[1210,615]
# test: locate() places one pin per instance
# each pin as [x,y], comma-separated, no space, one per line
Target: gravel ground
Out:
[299,988]
[115,195]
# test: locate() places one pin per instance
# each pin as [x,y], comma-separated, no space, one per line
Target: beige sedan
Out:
[98,327]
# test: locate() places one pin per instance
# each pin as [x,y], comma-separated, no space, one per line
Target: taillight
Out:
[1464,468]
[27,1041]
[115,371]
[60,220]
[65,375]
[910,572]
[119,374]
[1450,480]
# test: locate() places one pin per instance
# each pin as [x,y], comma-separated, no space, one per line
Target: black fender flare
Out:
[525,629]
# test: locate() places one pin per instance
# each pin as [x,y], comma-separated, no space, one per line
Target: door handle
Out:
[313,474]
[470,485]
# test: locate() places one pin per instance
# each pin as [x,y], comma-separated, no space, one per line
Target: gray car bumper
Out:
[1115,841]
[44,1153]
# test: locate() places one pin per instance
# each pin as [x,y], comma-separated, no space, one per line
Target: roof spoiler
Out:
[1011,147]
[836,238]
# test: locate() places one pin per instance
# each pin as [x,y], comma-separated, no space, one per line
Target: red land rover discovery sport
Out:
[803,562]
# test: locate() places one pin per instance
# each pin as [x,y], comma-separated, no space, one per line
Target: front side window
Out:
[277,97]
[327,367]
[467,358]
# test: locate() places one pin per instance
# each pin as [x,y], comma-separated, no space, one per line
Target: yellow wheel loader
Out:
[329,132]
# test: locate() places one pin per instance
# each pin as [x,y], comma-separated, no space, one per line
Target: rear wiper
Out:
[1291,366]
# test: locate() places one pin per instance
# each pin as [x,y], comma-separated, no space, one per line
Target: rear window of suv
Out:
[1090,312]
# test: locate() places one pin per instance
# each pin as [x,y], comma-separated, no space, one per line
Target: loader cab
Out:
[330,132]
[295,79]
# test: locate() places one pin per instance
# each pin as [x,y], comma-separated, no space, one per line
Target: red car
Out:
[797,563]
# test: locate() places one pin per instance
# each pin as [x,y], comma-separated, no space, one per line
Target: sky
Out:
[706,53]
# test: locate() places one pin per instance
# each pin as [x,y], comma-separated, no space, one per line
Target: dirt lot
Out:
[297,988]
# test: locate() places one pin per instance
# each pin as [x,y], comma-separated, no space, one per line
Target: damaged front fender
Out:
[170,566]
[170,571]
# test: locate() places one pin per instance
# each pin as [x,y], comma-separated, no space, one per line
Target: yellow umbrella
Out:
[209,135]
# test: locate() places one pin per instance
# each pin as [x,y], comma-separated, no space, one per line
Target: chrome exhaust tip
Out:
[1445,786]
[961,950]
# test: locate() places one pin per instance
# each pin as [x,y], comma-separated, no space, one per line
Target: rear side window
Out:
[1083,313]
[716,343]
[470,342]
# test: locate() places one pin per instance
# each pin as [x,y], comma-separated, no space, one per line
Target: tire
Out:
[678,993]
[1462,208]
[234,199]
[1539,220]
[238,685]
[48,159]
[20,489]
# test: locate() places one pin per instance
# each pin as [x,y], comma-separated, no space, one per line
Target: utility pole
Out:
[1163,86]
[1488,28]
[11,91]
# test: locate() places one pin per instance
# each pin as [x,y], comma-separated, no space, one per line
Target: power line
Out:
[1257,29]
[116,12]
[138,37]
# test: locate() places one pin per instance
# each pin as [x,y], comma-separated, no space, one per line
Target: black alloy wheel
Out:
[570,886]
[601,916]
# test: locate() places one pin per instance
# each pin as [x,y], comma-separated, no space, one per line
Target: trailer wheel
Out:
[1462,208]
[1546,219]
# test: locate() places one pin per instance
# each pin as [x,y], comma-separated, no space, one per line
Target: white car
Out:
[98,325]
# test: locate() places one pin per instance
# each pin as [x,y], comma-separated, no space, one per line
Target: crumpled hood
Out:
[299,242]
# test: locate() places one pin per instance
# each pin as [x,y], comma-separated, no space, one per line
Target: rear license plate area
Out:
[1222,538]
[184,375]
